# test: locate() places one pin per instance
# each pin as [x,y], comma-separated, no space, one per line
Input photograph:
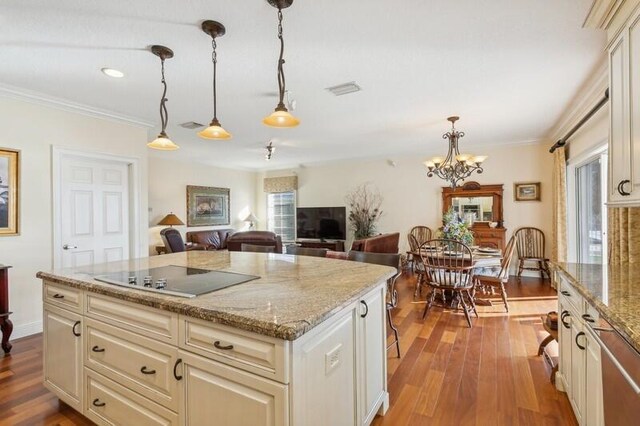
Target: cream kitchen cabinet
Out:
[63,360]
[624,134]
[118,362]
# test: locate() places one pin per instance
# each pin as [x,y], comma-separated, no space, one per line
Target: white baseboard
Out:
[27,329]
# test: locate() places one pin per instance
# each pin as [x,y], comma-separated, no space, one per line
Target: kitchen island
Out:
[305,343]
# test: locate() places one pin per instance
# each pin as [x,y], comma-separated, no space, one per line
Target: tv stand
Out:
[335,245]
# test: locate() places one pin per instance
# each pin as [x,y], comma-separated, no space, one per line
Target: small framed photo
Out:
[9,192]
[529,191]
[207,206]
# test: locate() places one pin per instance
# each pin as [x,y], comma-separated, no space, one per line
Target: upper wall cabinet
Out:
[624,136]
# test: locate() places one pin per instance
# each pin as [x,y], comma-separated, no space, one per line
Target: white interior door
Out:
[94,211]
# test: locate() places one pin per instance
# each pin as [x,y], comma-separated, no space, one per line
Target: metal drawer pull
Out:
[613,359]
[175,369]
[366,312]
[97,403]
[144,370]
[73,329]
[588,318]
[217,345]
[563,316]
[621,185]
[578,344]
[566,293]
[96,348]
[58,296]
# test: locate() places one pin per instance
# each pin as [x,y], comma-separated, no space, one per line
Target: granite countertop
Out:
[293,295]
[614,291]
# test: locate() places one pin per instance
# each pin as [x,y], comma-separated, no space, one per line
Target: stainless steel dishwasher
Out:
[620,376]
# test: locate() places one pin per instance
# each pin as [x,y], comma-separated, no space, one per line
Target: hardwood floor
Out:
[488,375]
[448,374]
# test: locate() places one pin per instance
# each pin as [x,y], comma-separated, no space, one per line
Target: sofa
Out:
[258,238]
[212,239]
[383,243]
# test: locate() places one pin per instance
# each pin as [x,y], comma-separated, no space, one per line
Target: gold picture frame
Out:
[9,192]
[208,206]
[526,191]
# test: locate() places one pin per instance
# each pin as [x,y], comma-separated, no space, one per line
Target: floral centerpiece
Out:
[455,228]
[364,210]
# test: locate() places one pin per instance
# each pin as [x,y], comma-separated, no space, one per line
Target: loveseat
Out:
[257,238]
[211,239]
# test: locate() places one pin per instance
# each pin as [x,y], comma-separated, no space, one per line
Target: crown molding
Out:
[30,96]
[601,13]
[588,95]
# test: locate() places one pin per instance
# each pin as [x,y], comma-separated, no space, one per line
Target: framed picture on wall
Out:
[529,191]
[208,206]
[9,191]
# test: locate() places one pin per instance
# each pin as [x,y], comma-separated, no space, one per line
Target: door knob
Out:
[69,247]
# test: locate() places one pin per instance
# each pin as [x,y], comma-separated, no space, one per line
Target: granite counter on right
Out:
[614,291]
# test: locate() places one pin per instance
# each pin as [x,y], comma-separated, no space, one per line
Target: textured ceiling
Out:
[507,67]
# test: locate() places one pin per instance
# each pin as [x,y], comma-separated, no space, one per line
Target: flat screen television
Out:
[324,223]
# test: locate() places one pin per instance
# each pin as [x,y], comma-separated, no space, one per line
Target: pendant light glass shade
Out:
[282,119]
[214,132]
[163,143]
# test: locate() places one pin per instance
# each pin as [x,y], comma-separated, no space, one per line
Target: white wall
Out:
[168,180]
[34,129]
[411,198]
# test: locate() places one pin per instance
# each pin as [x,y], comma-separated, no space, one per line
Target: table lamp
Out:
[170,220]
[251,218]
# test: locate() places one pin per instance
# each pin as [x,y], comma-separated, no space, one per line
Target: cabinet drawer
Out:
[60,295]
[153,323]
[571,295]
[123,356]
[121,406]
[262,355]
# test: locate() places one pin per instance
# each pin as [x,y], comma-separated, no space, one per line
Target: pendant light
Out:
[215,130]
[281,117]
[162,142]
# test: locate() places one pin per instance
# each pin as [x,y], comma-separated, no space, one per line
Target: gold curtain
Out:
[559,230]
[624,235]
[281,184]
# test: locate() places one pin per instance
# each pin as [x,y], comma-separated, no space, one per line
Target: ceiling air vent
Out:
[344,89]
[191,125]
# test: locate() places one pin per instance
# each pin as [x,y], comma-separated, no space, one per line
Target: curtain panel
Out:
[281,184]
[559,229]
[624,235]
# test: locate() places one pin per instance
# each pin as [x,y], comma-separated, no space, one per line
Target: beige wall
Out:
[411,198]
[168,182]
[34,129]
[593,134]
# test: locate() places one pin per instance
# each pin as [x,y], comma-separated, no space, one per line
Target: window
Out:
[281,214]
[588,213]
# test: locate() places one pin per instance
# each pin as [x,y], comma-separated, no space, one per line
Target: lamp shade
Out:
[250,218]
[170,220]
[163,143]
[282,119]
[214,132]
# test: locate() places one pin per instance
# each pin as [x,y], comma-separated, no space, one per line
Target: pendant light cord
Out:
[214,59]
[281,80]
[164,114]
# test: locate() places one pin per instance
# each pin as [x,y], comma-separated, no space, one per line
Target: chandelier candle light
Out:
[281,117]
[162,142]
[455,167]
[215,130]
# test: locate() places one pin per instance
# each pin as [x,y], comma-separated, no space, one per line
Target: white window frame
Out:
[295,216]
[572,218]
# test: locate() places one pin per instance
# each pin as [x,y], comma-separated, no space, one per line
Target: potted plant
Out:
[364,210]
[455,228]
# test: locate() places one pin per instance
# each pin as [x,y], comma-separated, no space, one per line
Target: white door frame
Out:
[133,165]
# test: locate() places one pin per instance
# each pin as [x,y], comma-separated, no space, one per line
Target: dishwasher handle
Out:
[613,359]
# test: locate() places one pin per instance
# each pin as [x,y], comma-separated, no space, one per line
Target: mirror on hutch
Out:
[481,204]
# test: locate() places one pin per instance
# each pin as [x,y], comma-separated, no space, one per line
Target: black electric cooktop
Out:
[176,280]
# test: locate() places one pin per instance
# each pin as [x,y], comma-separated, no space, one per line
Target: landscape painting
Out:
[207,206]
[527,191]
[9,186]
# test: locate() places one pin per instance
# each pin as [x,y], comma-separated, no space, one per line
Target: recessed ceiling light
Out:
[113,73]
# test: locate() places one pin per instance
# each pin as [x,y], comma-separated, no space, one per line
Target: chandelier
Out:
[455,167]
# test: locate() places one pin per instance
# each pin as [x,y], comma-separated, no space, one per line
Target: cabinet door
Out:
[594,411]
[565,345]
[634,110]
[63,355]
[216,394]
[619,136]
[371,354]
[578,369]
